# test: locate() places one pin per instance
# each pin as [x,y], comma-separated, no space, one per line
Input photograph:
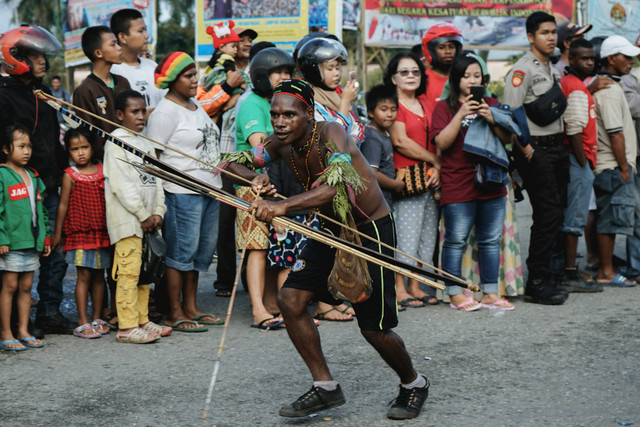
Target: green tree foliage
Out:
[178,31]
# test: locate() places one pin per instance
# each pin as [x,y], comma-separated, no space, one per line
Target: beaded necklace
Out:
[307,147]
[309,141]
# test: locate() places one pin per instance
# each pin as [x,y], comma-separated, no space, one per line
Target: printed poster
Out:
[282,22]
[80,14]
[492,24]
[350,14]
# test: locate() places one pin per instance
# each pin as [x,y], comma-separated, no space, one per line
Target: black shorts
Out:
[311,273]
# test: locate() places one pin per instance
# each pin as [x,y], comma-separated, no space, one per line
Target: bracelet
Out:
[529,154]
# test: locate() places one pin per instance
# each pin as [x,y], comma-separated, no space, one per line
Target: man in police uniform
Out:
[544,162]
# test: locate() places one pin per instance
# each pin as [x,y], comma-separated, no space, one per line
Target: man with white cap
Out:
[567,33]
[616,162]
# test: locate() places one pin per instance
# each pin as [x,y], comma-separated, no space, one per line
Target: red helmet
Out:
[16,44]
[438,34]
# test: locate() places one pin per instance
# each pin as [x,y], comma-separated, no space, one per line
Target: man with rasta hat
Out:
[329,166]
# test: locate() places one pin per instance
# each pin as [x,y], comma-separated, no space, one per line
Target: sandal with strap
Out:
[136,336]
[100,326]
[152,328]
[83,331]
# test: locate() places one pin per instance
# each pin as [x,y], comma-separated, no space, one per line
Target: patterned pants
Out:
[417,226]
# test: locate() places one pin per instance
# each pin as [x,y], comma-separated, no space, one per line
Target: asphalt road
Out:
[570,365]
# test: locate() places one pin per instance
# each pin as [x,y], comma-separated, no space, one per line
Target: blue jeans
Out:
[459,218]
[52,268]
[633,242]
[190,230]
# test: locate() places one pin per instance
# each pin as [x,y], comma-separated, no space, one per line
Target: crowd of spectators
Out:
[570,136]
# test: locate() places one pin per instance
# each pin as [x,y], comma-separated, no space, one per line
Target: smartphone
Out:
[352,76]
[478,93]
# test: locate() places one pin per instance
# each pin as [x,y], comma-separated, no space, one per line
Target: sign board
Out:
[78,15]
[282,22]
[491,24]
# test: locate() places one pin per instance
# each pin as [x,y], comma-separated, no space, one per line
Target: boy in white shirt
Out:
[135,205]
[131,32]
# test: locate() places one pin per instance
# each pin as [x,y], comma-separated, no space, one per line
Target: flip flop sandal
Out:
[28,340]
[202,322]
[3,345]
[176,326]
[429,300]
[468,305]
[274,325]
[406,303]
[618,281]
[81,331]
[498,304]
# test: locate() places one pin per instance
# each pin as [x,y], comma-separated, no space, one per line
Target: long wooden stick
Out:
[56,103]
[227,320]
[363,252]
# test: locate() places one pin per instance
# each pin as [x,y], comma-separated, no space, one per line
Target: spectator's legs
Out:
[545,179]
[226,249]
[52,271]
[52,268]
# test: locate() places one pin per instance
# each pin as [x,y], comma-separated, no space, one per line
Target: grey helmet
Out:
[317,51]
[263,64]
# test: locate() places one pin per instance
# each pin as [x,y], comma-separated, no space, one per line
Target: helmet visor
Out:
[330,51]
[37,39]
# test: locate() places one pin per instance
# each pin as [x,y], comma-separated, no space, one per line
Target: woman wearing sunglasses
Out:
[417,215]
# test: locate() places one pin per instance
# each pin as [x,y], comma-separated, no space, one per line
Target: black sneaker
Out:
[316,399]
[56,324]
[539,292]
[572,281]
[409,402]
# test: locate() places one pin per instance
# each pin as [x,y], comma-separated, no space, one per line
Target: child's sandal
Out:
[100,326]
[83,331]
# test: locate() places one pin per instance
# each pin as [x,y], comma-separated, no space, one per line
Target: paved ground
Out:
[572,365]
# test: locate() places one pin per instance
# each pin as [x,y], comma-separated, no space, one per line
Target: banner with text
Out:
[492,24]
[80,14]
[282,22]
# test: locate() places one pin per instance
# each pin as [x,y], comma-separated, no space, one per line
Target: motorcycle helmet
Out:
[310,36]
[317,51]
[18,43]
[263,64]
[438,34]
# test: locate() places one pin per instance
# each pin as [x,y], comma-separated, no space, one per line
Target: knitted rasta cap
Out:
[297,88]
[170,68]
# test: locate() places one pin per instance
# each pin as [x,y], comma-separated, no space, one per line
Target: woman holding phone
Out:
[463,203]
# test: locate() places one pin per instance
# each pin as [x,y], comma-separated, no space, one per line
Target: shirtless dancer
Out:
[302,143]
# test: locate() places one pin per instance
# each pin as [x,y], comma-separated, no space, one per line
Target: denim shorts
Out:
[616,203]
[20,261]
[190,230]
[578,197]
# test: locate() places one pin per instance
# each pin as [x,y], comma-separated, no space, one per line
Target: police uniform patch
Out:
[517,78]
[299,265]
